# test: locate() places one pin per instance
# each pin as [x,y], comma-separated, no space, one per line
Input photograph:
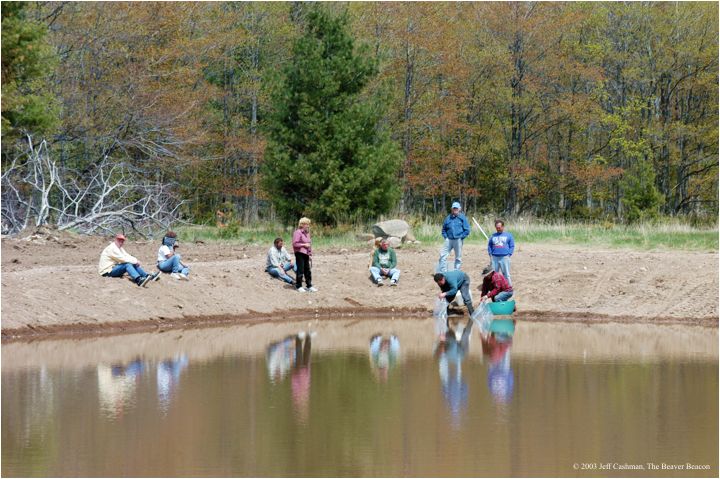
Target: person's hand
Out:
[137,264]
[385,271]
[441,295]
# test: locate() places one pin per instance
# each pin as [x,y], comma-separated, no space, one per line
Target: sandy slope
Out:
[50,283]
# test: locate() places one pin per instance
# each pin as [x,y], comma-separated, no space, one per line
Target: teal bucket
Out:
[503,326]
[503,307]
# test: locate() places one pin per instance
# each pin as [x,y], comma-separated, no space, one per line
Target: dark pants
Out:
[303,269]
[465,293]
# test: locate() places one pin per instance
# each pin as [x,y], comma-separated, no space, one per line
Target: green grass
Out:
[668,234]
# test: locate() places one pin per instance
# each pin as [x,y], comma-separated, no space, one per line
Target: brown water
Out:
[239,402]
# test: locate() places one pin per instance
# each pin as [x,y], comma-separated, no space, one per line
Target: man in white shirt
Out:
[115,262]
[169,261]
[279,262]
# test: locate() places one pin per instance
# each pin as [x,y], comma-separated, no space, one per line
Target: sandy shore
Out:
[50,287]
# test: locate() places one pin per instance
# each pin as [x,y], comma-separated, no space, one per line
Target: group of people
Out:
[496,284]
[115,261]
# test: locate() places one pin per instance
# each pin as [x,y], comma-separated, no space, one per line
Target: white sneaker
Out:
[301,335]
[301,290]
[184,277]
[312,289]
[380,283]
[175,275]
[393,283]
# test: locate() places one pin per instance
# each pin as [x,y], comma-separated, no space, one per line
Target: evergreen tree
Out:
[328,155]
[27,61]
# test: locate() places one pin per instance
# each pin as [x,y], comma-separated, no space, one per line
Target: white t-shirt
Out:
[163,252]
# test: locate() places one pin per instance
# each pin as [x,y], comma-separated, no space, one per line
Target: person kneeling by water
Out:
[279,262]
[450,283]
[495,287]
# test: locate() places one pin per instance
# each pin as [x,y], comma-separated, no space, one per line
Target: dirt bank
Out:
[50,286]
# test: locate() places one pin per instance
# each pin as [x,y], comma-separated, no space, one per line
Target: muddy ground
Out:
[50,286]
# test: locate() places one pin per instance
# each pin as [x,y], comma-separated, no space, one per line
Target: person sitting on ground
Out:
[169,260]
[384,264]
[279,262]
[495,287]
[115,262]
[450,283]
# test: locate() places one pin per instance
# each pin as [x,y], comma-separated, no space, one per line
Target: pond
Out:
[365,398]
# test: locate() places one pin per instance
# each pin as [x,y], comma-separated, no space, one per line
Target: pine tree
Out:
[27,61]
[328,155]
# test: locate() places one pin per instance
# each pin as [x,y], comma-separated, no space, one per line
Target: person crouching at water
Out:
[279,262]
[450,283]
[169,260]
[302,246]
[495,287]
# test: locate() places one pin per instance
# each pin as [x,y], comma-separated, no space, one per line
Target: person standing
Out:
[501,246]
[302,246]
[384,264]
[115,262]
[455,229]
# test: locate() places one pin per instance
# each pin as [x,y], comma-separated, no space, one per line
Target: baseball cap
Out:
[456,205]
[120,236]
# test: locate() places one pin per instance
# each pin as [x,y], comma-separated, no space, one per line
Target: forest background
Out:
[141,115]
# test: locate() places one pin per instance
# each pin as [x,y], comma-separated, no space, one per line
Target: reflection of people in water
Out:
[383,355]
[116,385]
[450,354]
[500,374]
[292,354]
[168,377]
[300,376]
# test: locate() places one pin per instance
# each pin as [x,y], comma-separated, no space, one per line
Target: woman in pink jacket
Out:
[302,246]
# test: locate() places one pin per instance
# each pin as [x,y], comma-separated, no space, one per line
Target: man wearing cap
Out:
[495,287]
[501,247]
[115,262]
[454,230]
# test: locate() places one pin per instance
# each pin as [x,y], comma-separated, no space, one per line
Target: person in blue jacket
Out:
[451,283]
[455,229]
[501,246]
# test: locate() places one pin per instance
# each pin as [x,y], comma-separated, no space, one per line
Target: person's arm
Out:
[119,255]
[444,228]
[511,243]
[296,241]
[497,287]
[393,259]
[453,287]
[376,259]
[273,258]
[167,252]
[466,227]
[490,245]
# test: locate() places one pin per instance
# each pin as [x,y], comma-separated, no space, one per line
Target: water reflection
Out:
[500,380]
[116,386]
[168,378]
[384,354]
[292,354]
[450,353]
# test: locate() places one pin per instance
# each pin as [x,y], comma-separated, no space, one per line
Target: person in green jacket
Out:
[450,283]
[384,264]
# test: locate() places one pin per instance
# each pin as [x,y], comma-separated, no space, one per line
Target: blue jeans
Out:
[503,296]
[449,245]
[465,293]
[135,272]
[502,264]
[393,274]
[276,273]
[173,265]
